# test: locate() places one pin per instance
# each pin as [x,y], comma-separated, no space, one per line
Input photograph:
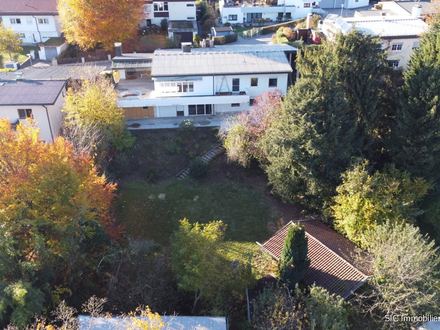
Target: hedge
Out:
[274,28]
[222,40]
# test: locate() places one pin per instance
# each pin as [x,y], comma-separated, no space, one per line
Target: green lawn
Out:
[20,57]
[146,213]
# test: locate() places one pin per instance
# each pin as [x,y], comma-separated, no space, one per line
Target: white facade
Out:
[399,35]
[47,118]
[207,81]
[156,11]
[34,28]
[245,12]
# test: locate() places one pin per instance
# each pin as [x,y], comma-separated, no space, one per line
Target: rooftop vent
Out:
[118,48]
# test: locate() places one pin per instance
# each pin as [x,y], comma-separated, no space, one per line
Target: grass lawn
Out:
[20,57]
[146,213]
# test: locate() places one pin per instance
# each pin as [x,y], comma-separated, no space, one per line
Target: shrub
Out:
[274,28]
[197,168]
[152,174]
[187,127]
[222,40]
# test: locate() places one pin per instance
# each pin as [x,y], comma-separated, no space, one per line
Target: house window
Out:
[415,45]
[199,109]
[235,85]
[254,82]
[393,63]
[396,47]
[273,82]
[232,17]
[234,105]
[22,35]
[43,21]
[251,101]
[307,5]
[15,21]
[160,6]
[25,113]
[177,87]
[190,5]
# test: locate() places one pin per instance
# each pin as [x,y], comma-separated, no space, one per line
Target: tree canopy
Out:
[10,41]
[365,201]
[54,210]
[93,119]
[294,262]
[91,23]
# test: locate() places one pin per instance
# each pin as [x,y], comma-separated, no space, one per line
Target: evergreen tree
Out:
[415,146]
[312,141]
[294,262]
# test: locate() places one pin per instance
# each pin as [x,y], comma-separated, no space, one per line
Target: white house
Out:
[255,11]
[340,4]
[399,35]
[39,100]
[35,20]
[200,81]
[180,14]
[398,8]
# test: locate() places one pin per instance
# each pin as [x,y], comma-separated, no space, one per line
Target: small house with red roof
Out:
[335,261]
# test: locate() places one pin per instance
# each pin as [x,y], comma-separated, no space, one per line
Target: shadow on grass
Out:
[154,212]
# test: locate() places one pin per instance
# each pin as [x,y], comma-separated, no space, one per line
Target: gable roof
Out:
[28,7]
[333,265]
[30,92]
[243,59]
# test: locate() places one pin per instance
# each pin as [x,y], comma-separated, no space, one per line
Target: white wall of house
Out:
[34,29]
[297,9]
[40,115]
[352,4]
[400,50]
[182,11]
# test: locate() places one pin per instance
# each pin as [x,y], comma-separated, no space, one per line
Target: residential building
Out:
[398,8]
[260,11]
[35,20]
[399,35]
[341,4]
[37,100]
[335,262]
[180,14]
[171,322]
[199,81]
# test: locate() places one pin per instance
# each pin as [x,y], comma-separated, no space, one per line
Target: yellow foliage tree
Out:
[92,105]
[89,23]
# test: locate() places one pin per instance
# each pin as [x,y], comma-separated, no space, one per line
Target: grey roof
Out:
[408,6]
[45,71]
[28,7]
[236,59]
[171,323]
[30,92]
[369,13]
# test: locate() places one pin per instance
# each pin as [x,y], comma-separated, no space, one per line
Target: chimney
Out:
[309,21]
[416,10]
[18,75]
[118,48]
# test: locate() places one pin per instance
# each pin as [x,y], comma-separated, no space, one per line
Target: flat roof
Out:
[30,92]
[171,323]
[384,27]
[234,59]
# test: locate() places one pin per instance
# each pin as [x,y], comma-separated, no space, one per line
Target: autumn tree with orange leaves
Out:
[90,23]
[54,222]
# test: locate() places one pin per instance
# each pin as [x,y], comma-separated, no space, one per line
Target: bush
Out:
[152,174]
[222,40]
[274,28]
[164,25]
[187,128]
[197,168]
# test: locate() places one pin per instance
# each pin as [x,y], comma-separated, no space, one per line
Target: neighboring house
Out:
[180,14]
[400,35]
[260,11]
[334,259]
[39,100]
[398,8]
[341,4]
[199,81]
[171,323]
[35,20]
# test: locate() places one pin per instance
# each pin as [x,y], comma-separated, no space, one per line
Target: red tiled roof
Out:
[28,7]
[332,261]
